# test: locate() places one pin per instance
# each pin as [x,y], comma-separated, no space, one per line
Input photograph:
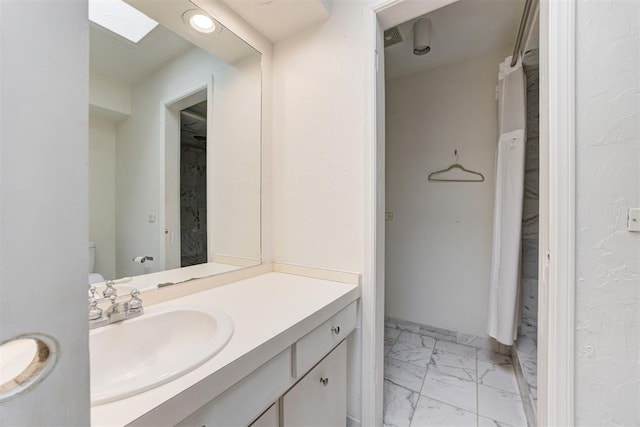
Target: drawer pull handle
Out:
[324,381]
[336,330]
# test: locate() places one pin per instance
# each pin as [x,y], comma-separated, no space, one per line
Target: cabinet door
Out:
[268,419]
[320,398]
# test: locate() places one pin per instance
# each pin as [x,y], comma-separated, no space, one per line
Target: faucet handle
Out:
[92,292]
[109,291]
[95,312]
[135,303]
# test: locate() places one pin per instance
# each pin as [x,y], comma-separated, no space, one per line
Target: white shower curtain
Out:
[507,214]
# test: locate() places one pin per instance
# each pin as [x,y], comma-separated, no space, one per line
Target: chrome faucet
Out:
[117,311]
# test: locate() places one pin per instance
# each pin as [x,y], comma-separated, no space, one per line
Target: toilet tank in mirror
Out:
[174,143]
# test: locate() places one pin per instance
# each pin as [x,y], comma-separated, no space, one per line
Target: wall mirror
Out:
[174,143]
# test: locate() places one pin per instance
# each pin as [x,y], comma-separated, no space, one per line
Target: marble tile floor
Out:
[433,382]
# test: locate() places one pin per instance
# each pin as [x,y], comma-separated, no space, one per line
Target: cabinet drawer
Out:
[240,404]
[320,398]
[316,344]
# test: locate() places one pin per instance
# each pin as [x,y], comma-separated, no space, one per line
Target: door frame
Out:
[556,316]
[170,173]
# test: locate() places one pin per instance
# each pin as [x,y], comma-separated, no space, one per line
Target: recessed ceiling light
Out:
[120,18]
[200,21]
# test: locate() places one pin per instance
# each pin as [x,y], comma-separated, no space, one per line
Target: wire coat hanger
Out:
[456,165]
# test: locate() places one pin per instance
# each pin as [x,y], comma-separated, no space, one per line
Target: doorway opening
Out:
[193,185]
[445,117]
[184,174]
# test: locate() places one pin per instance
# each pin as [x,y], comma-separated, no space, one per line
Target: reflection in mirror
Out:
[174,151]
[193,185]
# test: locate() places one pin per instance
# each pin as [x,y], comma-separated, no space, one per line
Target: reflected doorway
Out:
[193,185]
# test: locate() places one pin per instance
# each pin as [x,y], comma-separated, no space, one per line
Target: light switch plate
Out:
[633,223]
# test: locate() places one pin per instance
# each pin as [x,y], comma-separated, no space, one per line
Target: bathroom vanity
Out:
[285,364]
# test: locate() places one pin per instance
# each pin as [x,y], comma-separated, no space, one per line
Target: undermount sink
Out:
[164,343]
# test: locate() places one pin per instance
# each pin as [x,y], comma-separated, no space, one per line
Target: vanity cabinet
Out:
[320,398]
[304,385]
[240,404]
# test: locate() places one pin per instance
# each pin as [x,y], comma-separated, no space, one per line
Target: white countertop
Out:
[270,312]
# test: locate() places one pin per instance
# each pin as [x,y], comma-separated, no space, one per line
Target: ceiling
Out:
[279,19]
[225,45]
[114,56]
[462,30]
[117,57]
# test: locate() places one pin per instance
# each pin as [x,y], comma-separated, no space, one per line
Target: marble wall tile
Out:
[450,389]
[402,325]
[529,305]
[468,340]
[530,220]
[526,345]
[531,183]
[438,333]
[430,412]
[529,267]
[399,405]
[532,156]
[418,328]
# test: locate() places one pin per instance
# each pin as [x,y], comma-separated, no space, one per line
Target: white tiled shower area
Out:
[441,368]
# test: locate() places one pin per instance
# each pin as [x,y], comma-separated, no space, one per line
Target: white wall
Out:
[109,97]
[318,143]
[608,183]
[43,200]
[102,193]
[139,153]
[438,245]
[318,152]
[235,160]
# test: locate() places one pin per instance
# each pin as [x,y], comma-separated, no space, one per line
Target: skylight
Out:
[120,18]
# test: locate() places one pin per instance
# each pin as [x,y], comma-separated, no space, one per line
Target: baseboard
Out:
[481,343]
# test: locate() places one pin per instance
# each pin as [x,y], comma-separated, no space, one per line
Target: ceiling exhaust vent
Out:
[392,36]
